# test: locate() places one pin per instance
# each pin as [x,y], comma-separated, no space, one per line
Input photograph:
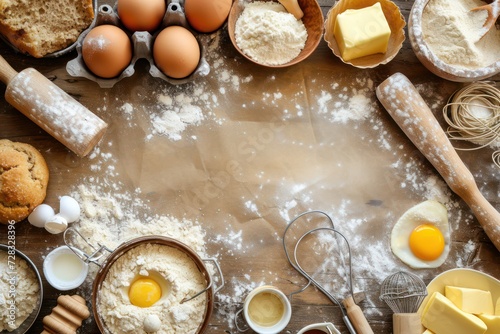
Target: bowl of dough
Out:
[450,40]
[19,276]
[154,284]
[365,33]
[275,34]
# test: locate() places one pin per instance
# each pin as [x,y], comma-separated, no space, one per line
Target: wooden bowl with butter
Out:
[395,21]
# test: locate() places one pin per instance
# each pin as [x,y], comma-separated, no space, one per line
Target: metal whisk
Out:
[352,315]
[404,292]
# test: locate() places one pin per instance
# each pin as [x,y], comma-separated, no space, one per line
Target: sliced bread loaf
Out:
[40,27]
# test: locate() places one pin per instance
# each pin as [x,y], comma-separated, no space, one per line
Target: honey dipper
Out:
[52,109]
[405,105]
[67,316]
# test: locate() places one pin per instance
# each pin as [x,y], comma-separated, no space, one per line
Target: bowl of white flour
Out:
[21,291]
[450,41]
[265,33]
[153,284]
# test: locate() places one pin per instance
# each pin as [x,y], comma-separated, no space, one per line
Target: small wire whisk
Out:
[352,315]
[404,292]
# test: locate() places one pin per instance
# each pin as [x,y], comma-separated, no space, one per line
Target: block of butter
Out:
[362,32]
[441,316]
[469,300]
[492,322]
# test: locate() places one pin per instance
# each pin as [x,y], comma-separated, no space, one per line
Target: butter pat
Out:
[441,316]
[469,300]
[362,32]
[492,322]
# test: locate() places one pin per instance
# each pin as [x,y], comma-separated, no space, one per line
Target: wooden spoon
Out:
[493,10]
[405,105]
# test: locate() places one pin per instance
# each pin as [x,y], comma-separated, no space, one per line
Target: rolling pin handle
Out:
[409,110]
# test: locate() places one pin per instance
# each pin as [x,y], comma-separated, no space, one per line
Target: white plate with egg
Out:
[464,278]
[421,237]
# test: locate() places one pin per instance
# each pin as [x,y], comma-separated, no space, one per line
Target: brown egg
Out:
[107,51]
[207,15]
[176,52]
[141,15]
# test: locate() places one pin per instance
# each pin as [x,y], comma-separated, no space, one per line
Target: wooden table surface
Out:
[279,126]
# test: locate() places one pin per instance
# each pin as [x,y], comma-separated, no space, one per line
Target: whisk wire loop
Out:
[296,265]
[403,292]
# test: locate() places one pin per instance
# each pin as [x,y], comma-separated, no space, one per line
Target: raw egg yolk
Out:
[426,242]
[144,292]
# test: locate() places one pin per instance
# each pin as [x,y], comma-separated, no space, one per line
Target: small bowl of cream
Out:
[267,310]
[446,37]
[64,269]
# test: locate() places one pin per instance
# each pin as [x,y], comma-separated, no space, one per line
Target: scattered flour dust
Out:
[175,115]
[349,104]
[175,109]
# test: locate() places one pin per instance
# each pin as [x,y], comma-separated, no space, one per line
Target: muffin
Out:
[24,176]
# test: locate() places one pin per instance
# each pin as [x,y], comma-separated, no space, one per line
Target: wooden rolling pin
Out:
[67,316]
[52,109]
[405,105]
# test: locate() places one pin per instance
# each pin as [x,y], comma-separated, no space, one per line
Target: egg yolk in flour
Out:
[144,292]
[426,242]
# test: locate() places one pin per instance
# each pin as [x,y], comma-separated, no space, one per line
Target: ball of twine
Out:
[473,114]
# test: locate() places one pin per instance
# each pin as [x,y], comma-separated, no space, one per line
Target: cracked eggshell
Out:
[39,216]
[69,209]
[57,224]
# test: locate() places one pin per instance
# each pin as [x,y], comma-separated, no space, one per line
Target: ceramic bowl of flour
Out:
[154,284]
[444,35]
[261,44]
[25,275]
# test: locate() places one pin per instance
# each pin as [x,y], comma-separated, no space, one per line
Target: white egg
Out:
[40,215]
[152,323]
[56,224]
[69,209]
[421,237]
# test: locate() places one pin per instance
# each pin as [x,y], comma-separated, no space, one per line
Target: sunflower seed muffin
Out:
[24,176]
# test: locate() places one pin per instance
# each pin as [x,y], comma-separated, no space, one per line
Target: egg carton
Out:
[142,42]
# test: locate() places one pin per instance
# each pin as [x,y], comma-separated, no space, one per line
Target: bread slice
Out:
[40,27]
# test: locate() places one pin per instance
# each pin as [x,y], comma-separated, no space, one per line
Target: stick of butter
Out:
[469,300]
[362,32]
[492,322]
[441,316]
